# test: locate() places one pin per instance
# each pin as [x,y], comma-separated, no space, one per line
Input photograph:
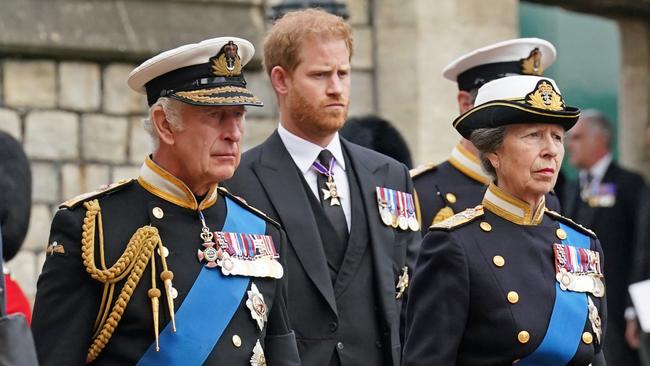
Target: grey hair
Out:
[172,109]
[488,140]
[597,121]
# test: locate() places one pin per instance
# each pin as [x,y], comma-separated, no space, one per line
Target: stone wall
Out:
[415,40]
[79,125]
[634,94]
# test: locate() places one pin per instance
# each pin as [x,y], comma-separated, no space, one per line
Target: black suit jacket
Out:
[269,180]
[642,250]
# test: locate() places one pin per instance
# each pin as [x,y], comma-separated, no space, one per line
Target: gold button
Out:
[451,198]
[513,297]
[561,234]
[158,212]
[165,252]
[485,226]
[173,292]
[236,341]
[523,337]
[498,261]
[587,338]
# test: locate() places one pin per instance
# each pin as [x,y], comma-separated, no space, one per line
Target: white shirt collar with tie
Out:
[597,172]
[304,153]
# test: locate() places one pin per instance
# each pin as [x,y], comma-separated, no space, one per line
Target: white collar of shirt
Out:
[304,152]
[598,170]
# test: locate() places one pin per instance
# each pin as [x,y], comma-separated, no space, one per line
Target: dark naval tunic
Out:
[484,289]
[68,300]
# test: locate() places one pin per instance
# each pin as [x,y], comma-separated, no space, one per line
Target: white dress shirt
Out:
[304,153]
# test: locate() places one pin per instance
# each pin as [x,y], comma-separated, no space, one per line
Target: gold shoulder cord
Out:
[139,251]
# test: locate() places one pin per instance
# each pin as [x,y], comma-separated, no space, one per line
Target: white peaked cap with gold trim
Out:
[517,99]
[521,56]
[204,73]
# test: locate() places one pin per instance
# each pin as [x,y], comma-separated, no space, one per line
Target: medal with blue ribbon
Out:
[397,209]
[414,225]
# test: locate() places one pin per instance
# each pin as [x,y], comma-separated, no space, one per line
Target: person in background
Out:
[346,209]
[15,208]
[636,338]
[379,135]
[460,181]
[605,198]
[495,284]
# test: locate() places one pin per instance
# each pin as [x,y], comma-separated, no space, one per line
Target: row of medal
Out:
[241,254]
[397,209]
[602,195]
[578,269]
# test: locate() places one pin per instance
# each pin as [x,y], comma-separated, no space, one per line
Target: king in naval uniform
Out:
[170,268]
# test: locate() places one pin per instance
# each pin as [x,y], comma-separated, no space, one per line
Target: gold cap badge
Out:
[545,97]
[227,62]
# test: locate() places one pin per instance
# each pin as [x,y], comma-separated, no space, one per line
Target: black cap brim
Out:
[226,95]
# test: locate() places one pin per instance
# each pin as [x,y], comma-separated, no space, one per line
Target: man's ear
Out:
[280,80]
[162,126]
[465,101]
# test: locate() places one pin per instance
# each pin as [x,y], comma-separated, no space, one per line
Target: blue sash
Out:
[208,307]
[567,318]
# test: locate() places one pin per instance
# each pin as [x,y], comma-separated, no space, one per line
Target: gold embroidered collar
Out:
[163,184]
[512,209]
[468,164]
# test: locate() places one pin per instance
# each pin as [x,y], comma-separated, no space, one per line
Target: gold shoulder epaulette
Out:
[571,223]
[422,169]
[458,219]
[107,188]
[250,208]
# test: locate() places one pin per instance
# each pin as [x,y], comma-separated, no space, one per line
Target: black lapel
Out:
[279,176]
[372,174]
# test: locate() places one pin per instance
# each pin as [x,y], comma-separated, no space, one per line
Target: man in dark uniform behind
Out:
[169,268]
[345,207]
[459,182]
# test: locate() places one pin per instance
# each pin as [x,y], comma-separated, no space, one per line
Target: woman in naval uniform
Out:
[510,282]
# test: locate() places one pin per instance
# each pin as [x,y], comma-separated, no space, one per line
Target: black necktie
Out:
[334,213]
